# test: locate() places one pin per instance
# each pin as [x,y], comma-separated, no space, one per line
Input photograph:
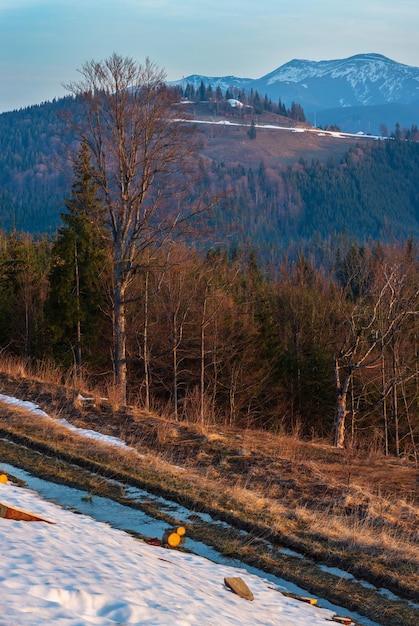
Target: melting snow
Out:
[79,572]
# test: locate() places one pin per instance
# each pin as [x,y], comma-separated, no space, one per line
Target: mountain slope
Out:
[305,187]
[364,79]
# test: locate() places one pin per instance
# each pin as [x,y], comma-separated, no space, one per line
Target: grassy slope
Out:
[230,143]
[347,509]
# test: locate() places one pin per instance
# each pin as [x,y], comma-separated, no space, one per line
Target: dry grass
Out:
[293,493]
[230,144]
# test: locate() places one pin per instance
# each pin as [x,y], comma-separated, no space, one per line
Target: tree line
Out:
[214,339]
[258,104]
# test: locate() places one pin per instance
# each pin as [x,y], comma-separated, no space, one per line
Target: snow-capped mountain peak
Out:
[364,80]
[298,70]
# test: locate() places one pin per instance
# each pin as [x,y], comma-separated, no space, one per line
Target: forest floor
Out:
[347,511]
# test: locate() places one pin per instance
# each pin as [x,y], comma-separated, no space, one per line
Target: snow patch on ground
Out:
[79,572]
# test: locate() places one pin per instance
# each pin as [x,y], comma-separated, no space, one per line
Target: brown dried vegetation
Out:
[343,508]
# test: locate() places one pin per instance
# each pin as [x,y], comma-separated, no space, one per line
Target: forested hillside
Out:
[371,193]
[272,293]
[34,173]
[279,187]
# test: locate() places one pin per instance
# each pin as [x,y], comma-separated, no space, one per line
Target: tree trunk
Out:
[119,321]
[341,403]
[202,362]
[395,400]
[340,416]
[202,376]
[175,365]
[145,344]
[384,407]
[78,330]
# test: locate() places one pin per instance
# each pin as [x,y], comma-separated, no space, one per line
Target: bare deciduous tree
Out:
[371,327]
[143,154]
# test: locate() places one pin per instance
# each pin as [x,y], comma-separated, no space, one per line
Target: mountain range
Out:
[364,92]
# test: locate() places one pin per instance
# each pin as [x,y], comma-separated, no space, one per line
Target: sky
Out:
[74,570]
[44,42]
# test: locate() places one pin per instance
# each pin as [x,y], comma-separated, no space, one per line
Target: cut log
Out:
[10,512]
[311,601]
[171,539]
[181,531]
[238,586]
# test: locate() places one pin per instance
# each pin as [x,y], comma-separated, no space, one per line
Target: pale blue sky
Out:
[44,42]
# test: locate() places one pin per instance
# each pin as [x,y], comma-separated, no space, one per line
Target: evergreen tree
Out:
[218,93]
[251,183]
[202,92]
[228,94]
[23,287]
[282,109]
[190,92]
[262,175]
[257,104]
[79,259]
[397,133]
[297,112]
[252,130]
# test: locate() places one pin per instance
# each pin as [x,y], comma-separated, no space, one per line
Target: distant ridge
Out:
[362,81]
